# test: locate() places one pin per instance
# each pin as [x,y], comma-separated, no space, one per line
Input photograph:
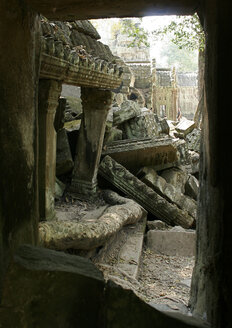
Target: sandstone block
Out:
[123,180]
[168,191]
[45,288]
[180,243]
[129,109]
[175,177]
[192,187]
[158,152]
[184,127]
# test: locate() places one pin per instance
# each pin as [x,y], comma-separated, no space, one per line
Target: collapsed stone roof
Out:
[72,52]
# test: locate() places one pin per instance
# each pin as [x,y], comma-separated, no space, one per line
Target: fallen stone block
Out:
[162,125]
[156,224]
[192,187]
[183,153]
[159,153]
[174,243]
[45,288]
[112,134]
[123,180]
[193,140]
[86,234]
[64,162]
[175,177]
[129,109]
[142,126]
[73,108]
[168,191]
[184,127]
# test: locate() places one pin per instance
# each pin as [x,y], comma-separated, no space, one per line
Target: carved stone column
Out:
[153,87]
[173,110]
[49,92]
[95,104]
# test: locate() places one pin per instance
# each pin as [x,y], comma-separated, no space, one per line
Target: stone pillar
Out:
[19,71]
[49,92]
[95,104]
[174,101]
[153,86]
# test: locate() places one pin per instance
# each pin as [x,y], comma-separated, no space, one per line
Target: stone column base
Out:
[84,189]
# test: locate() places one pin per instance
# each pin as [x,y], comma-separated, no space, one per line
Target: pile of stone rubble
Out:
[144,157]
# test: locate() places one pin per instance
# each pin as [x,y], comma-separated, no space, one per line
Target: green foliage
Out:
[186,32]
[184,60]
[137,34]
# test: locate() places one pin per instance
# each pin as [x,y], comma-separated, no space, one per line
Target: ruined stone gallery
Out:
[104,190]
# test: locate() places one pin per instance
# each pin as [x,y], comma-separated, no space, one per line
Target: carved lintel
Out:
[85,74]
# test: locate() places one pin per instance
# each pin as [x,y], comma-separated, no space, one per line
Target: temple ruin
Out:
[44,287]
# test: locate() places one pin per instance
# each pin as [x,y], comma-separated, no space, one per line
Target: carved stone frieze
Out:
[123,180]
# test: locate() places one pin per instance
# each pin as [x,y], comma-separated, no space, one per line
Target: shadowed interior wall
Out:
[19,67]
[211,287]
[211,292]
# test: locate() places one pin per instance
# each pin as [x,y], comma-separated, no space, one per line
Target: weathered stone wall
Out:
[187,93]
[212,284]
[188,101]
[175,90]
[19,67]
[142,75]
[143,81]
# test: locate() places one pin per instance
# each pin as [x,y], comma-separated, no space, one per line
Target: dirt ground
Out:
[161,279]
[166,279]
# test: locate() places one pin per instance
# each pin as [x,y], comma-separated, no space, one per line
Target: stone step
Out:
[123,251]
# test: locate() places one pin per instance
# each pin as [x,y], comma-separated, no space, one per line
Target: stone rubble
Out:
[146,145]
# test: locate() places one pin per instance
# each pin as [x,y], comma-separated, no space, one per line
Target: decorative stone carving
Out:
[71,54]
[144,195]
[168,191]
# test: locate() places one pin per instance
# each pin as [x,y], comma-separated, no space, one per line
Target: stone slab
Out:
[45,288]
[184,127]
[130,253]
[180,243]
[125,309]
[124,250]
[160,153]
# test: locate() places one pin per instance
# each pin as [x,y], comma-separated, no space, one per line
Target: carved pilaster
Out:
[49,92]
[153,87]
[95,104]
